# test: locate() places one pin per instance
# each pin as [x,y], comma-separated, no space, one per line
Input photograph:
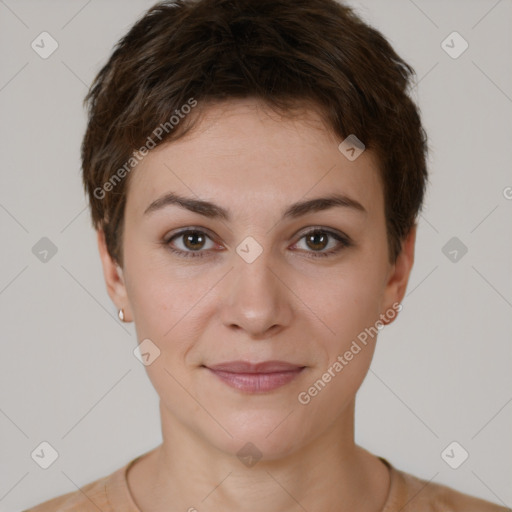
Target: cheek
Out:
[348,304]
[349,307]
[155,294]
[170,304]
[162,306]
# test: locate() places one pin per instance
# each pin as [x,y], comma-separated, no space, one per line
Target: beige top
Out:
[407,493]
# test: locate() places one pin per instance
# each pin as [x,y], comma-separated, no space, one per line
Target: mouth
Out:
[256,377]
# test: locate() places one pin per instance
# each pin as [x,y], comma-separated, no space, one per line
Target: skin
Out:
[286,305]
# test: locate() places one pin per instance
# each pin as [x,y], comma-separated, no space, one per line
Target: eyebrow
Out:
[213,211]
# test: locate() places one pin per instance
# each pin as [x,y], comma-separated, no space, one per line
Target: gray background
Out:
[441,373]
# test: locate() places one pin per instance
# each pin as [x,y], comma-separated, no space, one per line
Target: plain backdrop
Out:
[441,372]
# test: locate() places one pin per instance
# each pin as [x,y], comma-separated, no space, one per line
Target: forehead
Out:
[244,156]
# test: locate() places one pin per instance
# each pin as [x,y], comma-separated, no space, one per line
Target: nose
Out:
[256,298]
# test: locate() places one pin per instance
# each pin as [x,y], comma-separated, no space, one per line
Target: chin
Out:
[261,436]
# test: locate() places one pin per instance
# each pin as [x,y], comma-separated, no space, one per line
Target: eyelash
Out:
[344,241]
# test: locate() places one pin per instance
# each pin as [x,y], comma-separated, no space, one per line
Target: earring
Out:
[120,314]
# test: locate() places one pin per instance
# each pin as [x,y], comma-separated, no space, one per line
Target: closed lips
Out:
[263,367]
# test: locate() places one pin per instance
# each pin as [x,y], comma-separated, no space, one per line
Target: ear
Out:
[398,275]
[114,278]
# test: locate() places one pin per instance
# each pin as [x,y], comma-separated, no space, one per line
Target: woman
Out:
[255,170]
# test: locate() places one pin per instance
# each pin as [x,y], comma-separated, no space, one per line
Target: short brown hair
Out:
[283,52]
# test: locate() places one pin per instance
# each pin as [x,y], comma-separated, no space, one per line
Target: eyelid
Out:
[323,229]
[166,242]
[182,231]
[344,241]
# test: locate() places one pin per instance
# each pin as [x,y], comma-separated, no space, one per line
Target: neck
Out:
[330,473]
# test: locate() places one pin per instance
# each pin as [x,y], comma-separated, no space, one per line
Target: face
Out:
[256,269]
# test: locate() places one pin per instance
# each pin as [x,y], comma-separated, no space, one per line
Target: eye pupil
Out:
[190,237]
[314,237]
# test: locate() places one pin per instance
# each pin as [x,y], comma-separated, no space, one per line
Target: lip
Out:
[263,367]
[256,377]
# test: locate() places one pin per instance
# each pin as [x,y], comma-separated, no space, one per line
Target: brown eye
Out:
[317,240]
[190,243]
[193,240]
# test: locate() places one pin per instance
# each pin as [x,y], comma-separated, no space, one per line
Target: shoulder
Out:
[107,494]
[412,494]
[89,498]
